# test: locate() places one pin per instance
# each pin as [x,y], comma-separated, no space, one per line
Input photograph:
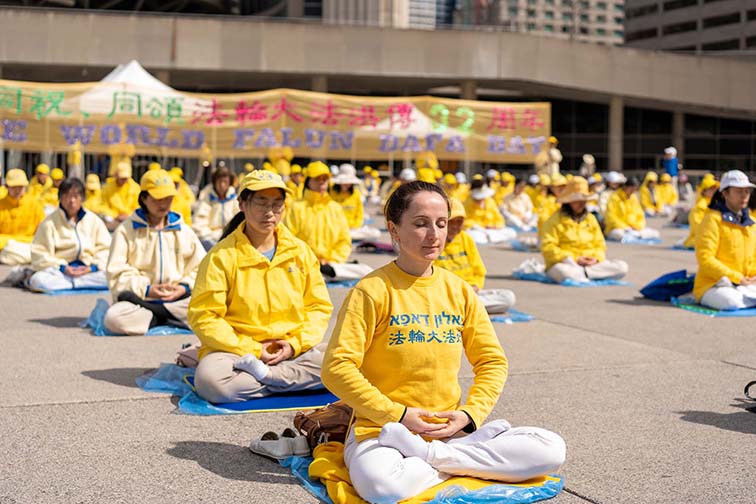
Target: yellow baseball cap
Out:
[450,179]
[248,167]
[652,177]
[16,178]
[57,174]
[295,168]
[92,182]
[154,166]
[177,170]
[318,168]
[708,183]
[158,183]
[457,208]
[553,140]
[123,170]
[558,180]
[258,180]
[666,177]
[43,168]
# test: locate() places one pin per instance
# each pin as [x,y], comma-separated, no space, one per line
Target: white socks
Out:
[397,436]
[252,365]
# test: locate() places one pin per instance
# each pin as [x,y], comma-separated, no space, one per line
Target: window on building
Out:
[548,28]
[601,5]
[751,14]
[601,19]
[601,32]
[565,29]
[680,27]
[690,48]
[513,11]
[618,33]
[679,4]
[548,15]
[619,20]
[313,8]
[724,45]
[643,10]
[583,30]
[641,35]
[750,41]
[619,7]
[531,2]
[725,19]
[584,18]
[711,1]
[584,5]
[531,13]
[549,2]
[566,16]
[697,125]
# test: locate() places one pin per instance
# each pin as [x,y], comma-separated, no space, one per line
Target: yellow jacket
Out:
[723,249]
[213,213]
[461,257]
[320,222]
[59,243]
[352,206]
[695,217]
[486,217]
[93,203]
[666,194]
[398,343]
[563,237]
[141,255]
[296,189]
[36,189]
[623,212]
[460,192]
[121,200]
[241,299]
[182,206]
[50,197]
[19,218]
[650,201]
[502,192]
[185,192]
[547,208]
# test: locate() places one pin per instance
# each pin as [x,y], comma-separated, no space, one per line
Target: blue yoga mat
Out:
[543,278]
[689,303]
[680,247]
[497,493]
[96,322]
[519,246]
[167,379]
[72,292]
[639,241]
[677,226]
[512,316]
[342,283]
[193,404]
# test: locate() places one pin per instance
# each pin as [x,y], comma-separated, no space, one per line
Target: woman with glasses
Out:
[260,306]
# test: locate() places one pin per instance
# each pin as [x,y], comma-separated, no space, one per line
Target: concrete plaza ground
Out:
[648,397]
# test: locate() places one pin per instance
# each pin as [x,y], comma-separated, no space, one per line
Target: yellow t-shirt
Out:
[398,343]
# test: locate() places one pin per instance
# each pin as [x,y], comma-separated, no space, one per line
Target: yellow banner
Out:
[106,117]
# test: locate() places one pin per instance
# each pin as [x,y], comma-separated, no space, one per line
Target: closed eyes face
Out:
[422,230]
[264,210]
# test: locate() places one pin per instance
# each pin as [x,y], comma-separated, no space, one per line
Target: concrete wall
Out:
[492,59]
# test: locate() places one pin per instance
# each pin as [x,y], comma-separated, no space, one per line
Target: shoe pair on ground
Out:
[276,447]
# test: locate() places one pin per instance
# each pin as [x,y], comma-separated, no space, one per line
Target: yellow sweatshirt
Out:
[121,200]
[320,222]
[19,218]
[186,192]
[623,212]
[502,192]
[182,206]
[548,207]
[461,257]
[695,217]
[650,200]
[94,204]
[296,189]
[141,255]
[352,206]
[723,249]
[213,213]
[241,299]
[60,243]
[563,237]
[460,192]
[398,343]
[487,216]
[666,194]
[50,197]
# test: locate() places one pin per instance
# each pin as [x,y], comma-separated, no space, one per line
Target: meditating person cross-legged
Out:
[260,306]
[70,248]
[394,358]
[624,218]
[572,244]
[153,262]
[726,248]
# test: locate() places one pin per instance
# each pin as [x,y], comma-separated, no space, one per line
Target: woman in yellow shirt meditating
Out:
[394,357]
[260,305]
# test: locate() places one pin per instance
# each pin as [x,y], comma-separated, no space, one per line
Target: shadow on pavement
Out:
[639,301]
[118,376]
[743,420]
[59,322]
[231,461]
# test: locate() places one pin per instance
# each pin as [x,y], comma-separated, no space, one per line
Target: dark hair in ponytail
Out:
[401,199]
[717,200]
[237,219]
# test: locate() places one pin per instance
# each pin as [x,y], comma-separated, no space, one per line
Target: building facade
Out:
[697,26]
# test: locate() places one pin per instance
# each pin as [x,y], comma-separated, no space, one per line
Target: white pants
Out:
[483,236]
[349,271]
[127,318]
[727,296]
[51,279]
[381,474]
[526,224]
[364,233]
[645,234]
[497,300]
[16,253]
[570,270]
